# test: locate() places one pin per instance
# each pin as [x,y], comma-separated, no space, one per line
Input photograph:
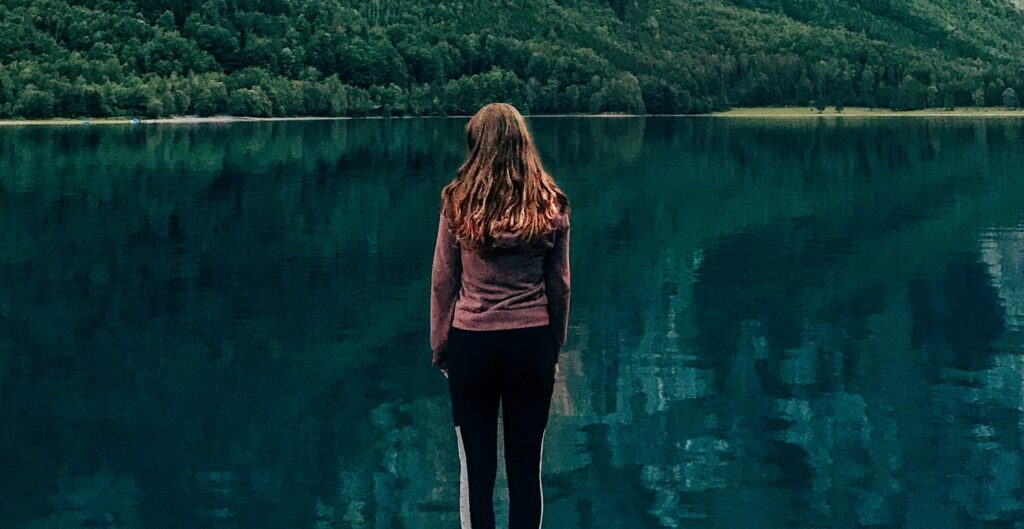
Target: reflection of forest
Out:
[224,326]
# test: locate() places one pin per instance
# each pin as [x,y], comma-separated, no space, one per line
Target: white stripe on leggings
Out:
[463,484]
[540,470]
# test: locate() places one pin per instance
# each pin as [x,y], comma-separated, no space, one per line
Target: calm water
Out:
[775,324]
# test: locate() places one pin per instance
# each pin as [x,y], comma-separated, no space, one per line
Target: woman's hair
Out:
[502,186]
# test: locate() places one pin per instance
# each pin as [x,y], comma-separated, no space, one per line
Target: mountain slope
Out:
[350,57]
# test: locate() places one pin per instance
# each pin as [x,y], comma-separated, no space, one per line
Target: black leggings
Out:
[517,368]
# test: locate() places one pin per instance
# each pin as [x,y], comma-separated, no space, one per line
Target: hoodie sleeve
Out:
[556,286]
[446,281]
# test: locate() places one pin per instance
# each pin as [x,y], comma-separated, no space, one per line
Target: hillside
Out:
[352,57]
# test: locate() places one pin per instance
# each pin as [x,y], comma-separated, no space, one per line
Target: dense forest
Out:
[410,57]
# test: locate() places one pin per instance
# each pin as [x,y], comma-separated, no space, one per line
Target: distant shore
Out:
[806,112]
[238,119]
[747,112]
[171,120]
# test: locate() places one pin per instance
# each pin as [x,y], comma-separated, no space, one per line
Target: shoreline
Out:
[866,112]
[746,112]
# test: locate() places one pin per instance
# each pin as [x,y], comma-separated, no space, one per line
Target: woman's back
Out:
[507,286]
[504,287]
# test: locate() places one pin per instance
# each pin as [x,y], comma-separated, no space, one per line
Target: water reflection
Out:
[775,324]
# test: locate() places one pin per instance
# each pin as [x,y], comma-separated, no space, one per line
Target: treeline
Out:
[410,57]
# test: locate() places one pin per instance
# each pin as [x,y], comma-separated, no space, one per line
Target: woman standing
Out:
[499,310]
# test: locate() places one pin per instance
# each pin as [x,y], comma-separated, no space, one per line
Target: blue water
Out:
[775,324]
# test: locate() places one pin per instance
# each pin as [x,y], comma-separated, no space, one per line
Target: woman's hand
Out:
[556,369]
[440,361]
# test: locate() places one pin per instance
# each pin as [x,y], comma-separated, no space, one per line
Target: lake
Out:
[811,323]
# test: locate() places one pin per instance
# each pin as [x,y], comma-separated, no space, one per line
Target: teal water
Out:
[775,324]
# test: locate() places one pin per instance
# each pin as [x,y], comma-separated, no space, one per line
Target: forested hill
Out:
[360,57]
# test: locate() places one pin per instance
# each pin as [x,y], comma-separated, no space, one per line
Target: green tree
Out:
[684,101]
[619,94]
[804,91]
[166,21]
[7,99]
[571,99]
[1010,98]
[154,106]
[335,95]
[211,96]
[866,87]
[87,100]
[250,102]
[34,103]
[948,101]
[287,97]
[217,40]
[912,94]
[424,100]
[932,96]
[358,101]
[170,53]
[467,94]
[978,97]
[659,97]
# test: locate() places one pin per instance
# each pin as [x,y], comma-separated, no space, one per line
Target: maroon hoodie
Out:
[507,286]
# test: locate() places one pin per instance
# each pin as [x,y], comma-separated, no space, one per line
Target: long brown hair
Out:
[502,186]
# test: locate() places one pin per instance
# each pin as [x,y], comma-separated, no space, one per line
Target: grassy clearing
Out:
[803,112]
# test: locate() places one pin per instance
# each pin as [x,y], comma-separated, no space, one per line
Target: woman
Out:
[499,310]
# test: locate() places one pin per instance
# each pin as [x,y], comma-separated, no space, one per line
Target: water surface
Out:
[775,324]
